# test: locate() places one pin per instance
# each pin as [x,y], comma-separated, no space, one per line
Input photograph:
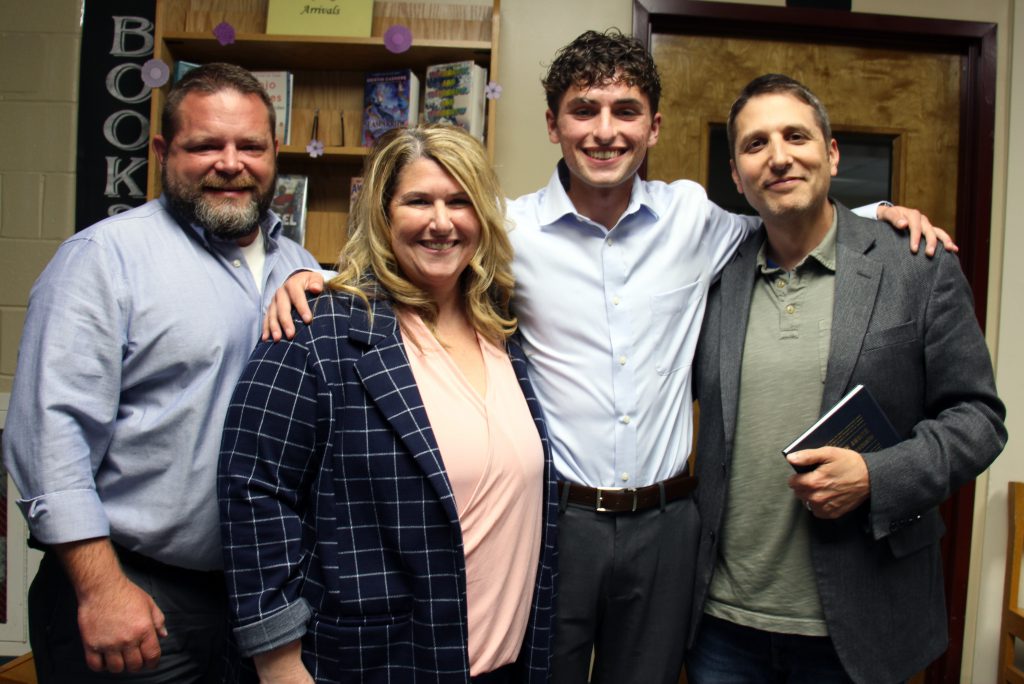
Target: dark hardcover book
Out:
[289,203]
[856,422]
[391,100]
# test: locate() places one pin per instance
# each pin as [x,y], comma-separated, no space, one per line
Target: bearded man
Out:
[136,333]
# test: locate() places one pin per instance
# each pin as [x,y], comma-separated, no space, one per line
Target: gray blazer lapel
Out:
[737,287]
[388,380]
[857,281]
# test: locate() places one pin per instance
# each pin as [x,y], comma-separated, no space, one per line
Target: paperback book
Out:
[279,86]
[391,100]
[354,186]
[289,204]
[181,67]
[856,422]
[455,94]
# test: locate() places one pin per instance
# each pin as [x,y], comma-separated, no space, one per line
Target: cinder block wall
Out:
[39,45]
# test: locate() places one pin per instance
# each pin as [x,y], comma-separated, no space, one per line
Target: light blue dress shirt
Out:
[610,320]
[136,334]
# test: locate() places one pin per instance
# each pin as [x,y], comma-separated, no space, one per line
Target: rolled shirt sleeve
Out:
[65,394]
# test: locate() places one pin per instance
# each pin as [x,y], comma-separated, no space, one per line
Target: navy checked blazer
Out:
[338,520]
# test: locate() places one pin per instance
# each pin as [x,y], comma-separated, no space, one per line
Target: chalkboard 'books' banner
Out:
[113,109]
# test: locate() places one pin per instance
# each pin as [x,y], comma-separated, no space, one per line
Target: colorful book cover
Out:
[455,94]
[391,100]
[320,17]
[289,204]
[278,85]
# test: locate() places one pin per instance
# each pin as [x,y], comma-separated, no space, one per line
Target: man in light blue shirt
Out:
[135,336]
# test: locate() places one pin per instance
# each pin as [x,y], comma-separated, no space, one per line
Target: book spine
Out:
[278,85]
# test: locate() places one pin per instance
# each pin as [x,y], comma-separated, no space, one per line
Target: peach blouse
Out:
[495,463]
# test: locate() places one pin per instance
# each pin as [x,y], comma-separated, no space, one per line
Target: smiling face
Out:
[219,168]
[435,230]
[604,132]
[783,165]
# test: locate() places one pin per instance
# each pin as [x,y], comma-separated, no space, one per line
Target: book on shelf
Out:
[856,422]
[391,99]
[320,17]
[181,67]
[289,204]
[279,86]
[354,186]
[454,93]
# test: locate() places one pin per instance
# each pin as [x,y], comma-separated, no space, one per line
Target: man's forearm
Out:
[120,623]
[89,563]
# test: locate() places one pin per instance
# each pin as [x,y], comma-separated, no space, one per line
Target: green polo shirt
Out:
[763,577]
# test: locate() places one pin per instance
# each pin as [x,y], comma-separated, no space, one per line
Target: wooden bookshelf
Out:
[329,73]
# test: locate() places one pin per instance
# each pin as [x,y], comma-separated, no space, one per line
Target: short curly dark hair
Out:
[597,59]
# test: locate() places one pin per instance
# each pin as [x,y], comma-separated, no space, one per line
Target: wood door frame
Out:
[975,42]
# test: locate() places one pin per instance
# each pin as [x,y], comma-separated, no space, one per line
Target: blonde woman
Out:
[386,490]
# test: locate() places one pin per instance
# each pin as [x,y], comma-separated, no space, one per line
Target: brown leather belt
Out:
[628,499]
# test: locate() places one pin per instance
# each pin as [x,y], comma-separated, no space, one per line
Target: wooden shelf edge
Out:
[332,153]
[340,41]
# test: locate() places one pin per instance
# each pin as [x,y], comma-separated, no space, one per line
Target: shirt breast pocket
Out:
[673,325]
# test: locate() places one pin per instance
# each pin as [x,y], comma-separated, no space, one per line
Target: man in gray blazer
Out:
[833,574]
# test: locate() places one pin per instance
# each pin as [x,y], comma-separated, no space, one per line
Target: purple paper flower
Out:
[492,91]
[155,73]
[315,148]
[398,38]
[224,33]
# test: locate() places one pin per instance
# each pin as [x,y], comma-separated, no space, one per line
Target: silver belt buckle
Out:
[630,490]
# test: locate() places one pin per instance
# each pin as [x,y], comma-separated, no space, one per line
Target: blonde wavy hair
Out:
[367,266]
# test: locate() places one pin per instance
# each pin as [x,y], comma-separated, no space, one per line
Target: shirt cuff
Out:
[870,211]
[278,629]
[66,516]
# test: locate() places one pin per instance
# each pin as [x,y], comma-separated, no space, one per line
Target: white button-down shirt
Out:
[610,320]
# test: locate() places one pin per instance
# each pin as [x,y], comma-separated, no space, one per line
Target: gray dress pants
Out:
[625,586]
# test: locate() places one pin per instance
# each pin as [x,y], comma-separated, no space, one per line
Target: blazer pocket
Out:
[357,646]
[900,334]
[917,535]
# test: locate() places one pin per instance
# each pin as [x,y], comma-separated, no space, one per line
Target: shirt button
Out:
[615,300]
[624,420]
[622,360]
[625,477]
[790,309]
[237,263]
[780,283]
[608,241]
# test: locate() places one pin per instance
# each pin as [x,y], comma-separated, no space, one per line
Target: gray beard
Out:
[225,220]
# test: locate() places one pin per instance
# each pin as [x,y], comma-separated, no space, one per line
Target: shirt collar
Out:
[556,205]
[824,253]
